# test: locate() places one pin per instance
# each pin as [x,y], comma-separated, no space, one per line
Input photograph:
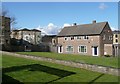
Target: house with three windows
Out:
[87,39]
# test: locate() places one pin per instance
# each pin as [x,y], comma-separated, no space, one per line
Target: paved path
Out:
[101,69]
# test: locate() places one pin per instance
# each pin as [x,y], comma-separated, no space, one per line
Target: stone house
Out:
[116,43]
[5,33]
[26,38]
[31,36]
[87,39]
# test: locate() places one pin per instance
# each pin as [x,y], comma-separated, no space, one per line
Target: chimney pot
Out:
[94,21]
[74,24]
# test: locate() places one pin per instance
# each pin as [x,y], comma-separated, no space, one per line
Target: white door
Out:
[60,49]
[95,51]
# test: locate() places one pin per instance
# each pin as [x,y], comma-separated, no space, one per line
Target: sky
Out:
[50,17]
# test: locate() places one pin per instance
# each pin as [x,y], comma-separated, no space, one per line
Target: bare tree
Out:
[5,13]
[13,22]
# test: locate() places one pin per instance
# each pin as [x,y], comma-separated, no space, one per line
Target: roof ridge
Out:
[86,24]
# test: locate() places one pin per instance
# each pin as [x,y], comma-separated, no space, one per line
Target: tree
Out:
[5,13]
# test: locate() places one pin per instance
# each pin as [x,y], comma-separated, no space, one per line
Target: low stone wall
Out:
[97,68]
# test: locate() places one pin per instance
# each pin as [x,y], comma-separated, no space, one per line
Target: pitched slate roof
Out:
[85,29]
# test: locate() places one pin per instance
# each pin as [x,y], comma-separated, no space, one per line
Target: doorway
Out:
[60,49]
[95,51]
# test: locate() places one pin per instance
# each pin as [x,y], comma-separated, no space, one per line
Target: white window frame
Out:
[116,35]
[85,37]
[66,38]
[72,37]
[79,38]
[69,51]
[61,49]
[110,37]
[79,47]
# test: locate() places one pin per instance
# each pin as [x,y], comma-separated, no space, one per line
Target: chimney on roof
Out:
[94,21]
[74,24]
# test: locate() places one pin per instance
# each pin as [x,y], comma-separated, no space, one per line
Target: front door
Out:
[60,49]
[95,51]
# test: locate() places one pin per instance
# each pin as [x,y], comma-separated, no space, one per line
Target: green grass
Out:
[104,61]
[0,60]
[26,70]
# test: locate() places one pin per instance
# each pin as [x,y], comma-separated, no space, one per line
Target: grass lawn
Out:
[105,61]
[26,70]
[0,60]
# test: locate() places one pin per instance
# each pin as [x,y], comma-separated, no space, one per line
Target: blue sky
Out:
[51,16]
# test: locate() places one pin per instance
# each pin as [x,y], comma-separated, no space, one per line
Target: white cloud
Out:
[43,32]
[51,25]
[50,29]
[113,28]
[102,6]
[66,25]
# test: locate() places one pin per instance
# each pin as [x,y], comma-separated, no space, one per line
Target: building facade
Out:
[116,43]
[5,33]
[88,39]
[26,40]
[27,36]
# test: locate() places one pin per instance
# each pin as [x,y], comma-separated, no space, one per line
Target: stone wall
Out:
[97,68]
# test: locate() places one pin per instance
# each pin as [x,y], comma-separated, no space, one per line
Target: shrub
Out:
[107,55]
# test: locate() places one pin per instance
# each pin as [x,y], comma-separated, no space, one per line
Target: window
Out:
[116,40]
[38,41]
[27,38]
[103,37]
[69,49]
[38,36]
[7,42]
[65,38]
[85,37]
[82,49]
[110,38]
[53,41]
[116,36]
[72,38]
[78,37]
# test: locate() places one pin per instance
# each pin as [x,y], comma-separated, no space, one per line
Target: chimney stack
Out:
[94,21]
[74,24]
